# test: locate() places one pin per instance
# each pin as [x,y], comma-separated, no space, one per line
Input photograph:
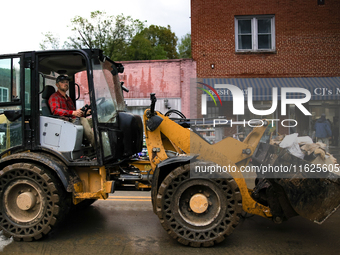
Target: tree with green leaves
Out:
[184,46]
[154,42]
[50,41]
[162,36]
[112,34]
[142,49]
[121,38]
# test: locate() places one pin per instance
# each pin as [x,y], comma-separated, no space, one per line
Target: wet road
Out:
[125,224]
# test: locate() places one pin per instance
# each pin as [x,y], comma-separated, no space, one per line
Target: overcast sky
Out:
[24,21]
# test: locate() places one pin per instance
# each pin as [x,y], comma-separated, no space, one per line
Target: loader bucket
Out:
[313,190]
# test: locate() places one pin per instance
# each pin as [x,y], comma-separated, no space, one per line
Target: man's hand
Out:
[78,113]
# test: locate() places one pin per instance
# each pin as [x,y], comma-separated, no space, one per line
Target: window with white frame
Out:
[255,33]
[4,94]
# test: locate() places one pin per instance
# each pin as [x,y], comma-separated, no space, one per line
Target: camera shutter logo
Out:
[204,97]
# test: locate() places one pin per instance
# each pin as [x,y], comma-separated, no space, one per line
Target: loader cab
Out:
[26,122]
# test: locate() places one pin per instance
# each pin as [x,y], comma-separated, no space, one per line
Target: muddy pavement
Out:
[126,224]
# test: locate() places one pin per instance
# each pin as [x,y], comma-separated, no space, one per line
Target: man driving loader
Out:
[62,105]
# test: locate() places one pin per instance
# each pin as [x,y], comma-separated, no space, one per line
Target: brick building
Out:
[168,79]
[265,44]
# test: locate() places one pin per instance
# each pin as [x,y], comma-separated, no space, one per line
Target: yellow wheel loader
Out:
[47,167]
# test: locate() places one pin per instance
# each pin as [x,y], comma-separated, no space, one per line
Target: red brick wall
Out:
[307,38]
[166,78]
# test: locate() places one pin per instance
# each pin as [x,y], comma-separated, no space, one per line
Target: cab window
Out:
[9,80]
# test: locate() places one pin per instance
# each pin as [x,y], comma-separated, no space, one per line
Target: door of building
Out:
[332,111]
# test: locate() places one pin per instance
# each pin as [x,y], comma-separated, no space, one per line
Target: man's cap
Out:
[62,78]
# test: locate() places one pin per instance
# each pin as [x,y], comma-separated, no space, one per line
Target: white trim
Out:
[254,33]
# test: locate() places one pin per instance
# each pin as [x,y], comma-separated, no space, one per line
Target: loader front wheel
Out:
[30,201]
[196,211]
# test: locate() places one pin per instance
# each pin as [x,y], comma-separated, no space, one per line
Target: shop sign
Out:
[238,100]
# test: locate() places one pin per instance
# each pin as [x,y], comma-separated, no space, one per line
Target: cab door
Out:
[13,96]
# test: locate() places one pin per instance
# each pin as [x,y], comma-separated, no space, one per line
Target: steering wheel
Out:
[85,109]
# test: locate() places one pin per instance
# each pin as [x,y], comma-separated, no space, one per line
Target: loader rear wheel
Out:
[30,201]
[198,212]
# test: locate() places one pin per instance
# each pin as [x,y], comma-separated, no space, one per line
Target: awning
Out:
[321,88]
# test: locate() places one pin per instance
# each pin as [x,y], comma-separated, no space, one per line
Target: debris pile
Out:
[304,148]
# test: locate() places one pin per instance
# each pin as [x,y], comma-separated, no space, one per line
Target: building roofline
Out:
[155,61]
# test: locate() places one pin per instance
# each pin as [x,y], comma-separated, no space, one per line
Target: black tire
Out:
[198,226]
[32,201]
